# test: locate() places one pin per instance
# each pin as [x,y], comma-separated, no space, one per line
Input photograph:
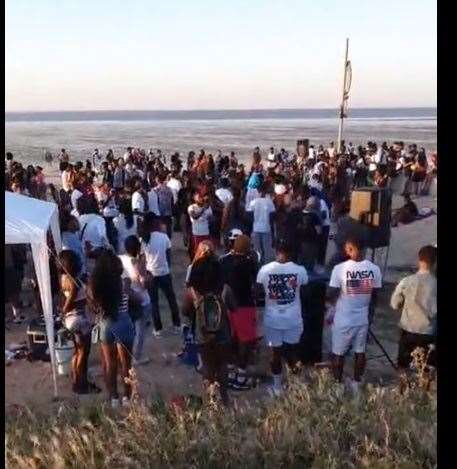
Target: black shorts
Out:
[409,342]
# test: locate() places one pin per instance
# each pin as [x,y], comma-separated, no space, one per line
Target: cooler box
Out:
[37,340]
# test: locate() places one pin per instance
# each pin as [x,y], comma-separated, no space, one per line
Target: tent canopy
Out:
[27,221]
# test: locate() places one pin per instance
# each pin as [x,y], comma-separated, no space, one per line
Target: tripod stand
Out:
[383,350]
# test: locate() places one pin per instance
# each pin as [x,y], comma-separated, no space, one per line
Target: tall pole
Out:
[343,98]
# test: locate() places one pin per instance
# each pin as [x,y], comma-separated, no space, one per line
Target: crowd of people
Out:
[253,235]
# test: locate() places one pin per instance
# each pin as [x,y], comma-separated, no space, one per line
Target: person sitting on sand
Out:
[114,330]
[416,297]
[407,213]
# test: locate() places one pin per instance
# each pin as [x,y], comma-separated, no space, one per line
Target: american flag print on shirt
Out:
[359,282]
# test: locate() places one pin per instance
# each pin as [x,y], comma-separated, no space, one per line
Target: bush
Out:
[313,425]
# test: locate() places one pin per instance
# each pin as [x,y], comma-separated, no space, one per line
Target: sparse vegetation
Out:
[313,425]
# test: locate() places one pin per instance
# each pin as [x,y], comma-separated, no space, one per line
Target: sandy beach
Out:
[30,383]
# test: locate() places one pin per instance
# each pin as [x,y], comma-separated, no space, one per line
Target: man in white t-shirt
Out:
[271,158]
[331,150]
[281,282]
[200,213]
[224,194]
[262,208]
[156,248]
[175,185]
[353,286]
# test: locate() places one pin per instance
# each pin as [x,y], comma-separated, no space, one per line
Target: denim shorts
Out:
[118,331]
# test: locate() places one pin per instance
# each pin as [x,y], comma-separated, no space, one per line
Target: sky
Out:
[217,54]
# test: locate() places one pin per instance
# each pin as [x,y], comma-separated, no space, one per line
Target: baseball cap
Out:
[242,244]
[233,234]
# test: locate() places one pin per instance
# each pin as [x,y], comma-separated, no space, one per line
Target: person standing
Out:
[281,281]
[134,277]
[156,247]
[76,321]
[165,202]
[415,296]
[114,329]
[353,287]
[199,213]
[262,233]
[239,270]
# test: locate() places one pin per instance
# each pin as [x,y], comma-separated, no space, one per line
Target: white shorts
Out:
[277,337]
[344,338]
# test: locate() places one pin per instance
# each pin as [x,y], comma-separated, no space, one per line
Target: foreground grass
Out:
[312,426]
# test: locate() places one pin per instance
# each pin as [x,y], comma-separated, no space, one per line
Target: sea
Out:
[29,135]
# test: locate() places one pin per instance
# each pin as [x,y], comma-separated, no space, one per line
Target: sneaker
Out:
[114,403]
[156,333]
[125,401]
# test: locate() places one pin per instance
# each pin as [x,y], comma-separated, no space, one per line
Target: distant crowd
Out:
[254,235]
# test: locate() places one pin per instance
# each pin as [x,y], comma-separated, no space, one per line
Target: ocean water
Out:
[28,135]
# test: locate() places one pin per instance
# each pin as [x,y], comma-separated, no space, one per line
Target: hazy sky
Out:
[213,54]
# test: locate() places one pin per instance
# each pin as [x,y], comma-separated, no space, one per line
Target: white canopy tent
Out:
[27,221]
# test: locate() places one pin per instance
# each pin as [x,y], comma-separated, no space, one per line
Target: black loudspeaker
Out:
[313,312]
[302,148]
[372,207]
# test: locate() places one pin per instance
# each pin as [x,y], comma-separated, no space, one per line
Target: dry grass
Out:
[312,426]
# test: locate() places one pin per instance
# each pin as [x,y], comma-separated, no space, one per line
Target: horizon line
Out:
[217,109]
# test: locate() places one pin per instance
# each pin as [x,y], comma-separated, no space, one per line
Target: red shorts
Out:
[243,322]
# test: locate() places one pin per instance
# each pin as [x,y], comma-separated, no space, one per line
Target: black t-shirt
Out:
[206,276]
[239,273]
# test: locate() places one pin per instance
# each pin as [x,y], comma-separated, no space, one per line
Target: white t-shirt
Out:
[123,232]
[200,226]
[131,272]
[224,195]
[282,283]
[95,231]
[356,281]
[155,252]
[137,202]
[153,202]
[175,186]
[262,208]
[331,151]
[310,153]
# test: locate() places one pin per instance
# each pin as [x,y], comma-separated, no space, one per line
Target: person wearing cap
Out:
[263,209]
[239,270]
[281,282]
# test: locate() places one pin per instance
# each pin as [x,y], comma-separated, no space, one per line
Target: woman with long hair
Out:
[75,319]
[114,330]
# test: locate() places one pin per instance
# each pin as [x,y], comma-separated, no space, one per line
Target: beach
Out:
[240,132]
[30,383]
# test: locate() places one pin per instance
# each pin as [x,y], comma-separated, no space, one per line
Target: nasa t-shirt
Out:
[356,281]
[282,282]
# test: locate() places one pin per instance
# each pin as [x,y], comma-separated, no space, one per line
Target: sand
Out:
[30,383]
